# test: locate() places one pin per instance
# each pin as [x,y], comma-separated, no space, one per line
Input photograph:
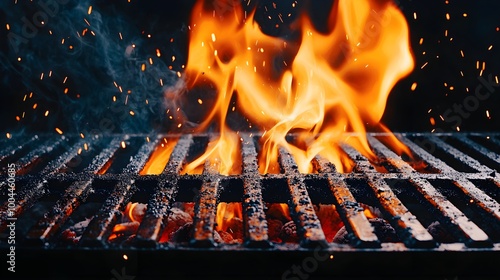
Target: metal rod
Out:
[350,210]
[410,229]
[308,225]
[256,231]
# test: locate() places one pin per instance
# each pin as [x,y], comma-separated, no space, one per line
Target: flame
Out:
[222,154]
[226,212]
[130,211]
[318,88]
[159,158]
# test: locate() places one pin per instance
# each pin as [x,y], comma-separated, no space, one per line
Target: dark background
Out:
[93,64]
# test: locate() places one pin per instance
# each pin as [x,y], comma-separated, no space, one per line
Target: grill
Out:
[62,180]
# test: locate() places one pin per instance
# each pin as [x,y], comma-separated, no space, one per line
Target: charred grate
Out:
[450,205]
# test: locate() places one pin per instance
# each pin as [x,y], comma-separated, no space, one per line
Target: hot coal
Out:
[274,229]
[74,233]
[176,219]
[384,231]
[439,233]
[288,233]
[235,228]
[183,234]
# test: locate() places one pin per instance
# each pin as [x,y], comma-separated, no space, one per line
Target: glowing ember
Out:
[229,222]
[335,82]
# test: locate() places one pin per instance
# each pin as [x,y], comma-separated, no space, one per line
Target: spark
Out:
[414,86]
[123,144]
[90,10]
[58,130]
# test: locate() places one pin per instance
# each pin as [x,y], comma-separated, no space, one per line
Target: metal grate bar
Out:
[308,227]
[206,208]
[469,231]
[478,148]
[64,207]
[138,161]
[460,156]
[58,163]
[427,157]
[24,200]
[154,221]
[412,231]
[256,231]
[385,154]
[178,156]
[481,199]
[350,210]
[101,226]
[10,149]
[37,155]
[104,156]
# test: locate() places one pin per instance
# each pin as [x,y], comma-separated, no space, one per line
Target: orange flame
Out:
[337,81]
[226,212]
[159,158]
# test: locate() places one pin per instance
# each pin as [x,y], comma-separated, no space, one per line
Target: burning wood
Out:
[72,234]
[176,219]
[129,224]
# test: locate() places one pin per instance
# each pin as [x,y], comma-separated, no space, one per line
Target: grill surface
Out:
[61,179]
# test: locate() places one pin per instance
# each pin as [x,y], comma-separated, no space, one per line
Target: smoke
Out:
[85,66]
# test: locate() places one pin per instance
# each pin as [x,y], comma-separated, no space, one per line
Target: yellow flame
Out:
[337,81]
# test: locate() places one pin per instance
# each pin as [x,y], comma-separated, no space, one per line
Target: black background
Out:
[441,85]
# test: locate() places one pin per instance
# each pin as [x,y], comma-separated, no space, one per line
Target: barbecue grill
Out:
[62,180]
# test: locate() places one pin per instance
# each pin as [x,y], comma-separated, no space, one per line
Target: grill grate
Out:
[462,190]
[61,181]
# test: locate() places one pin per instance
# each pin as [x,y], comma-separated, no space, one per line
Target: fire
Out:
[316,88]
[226,213]
[159,158]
